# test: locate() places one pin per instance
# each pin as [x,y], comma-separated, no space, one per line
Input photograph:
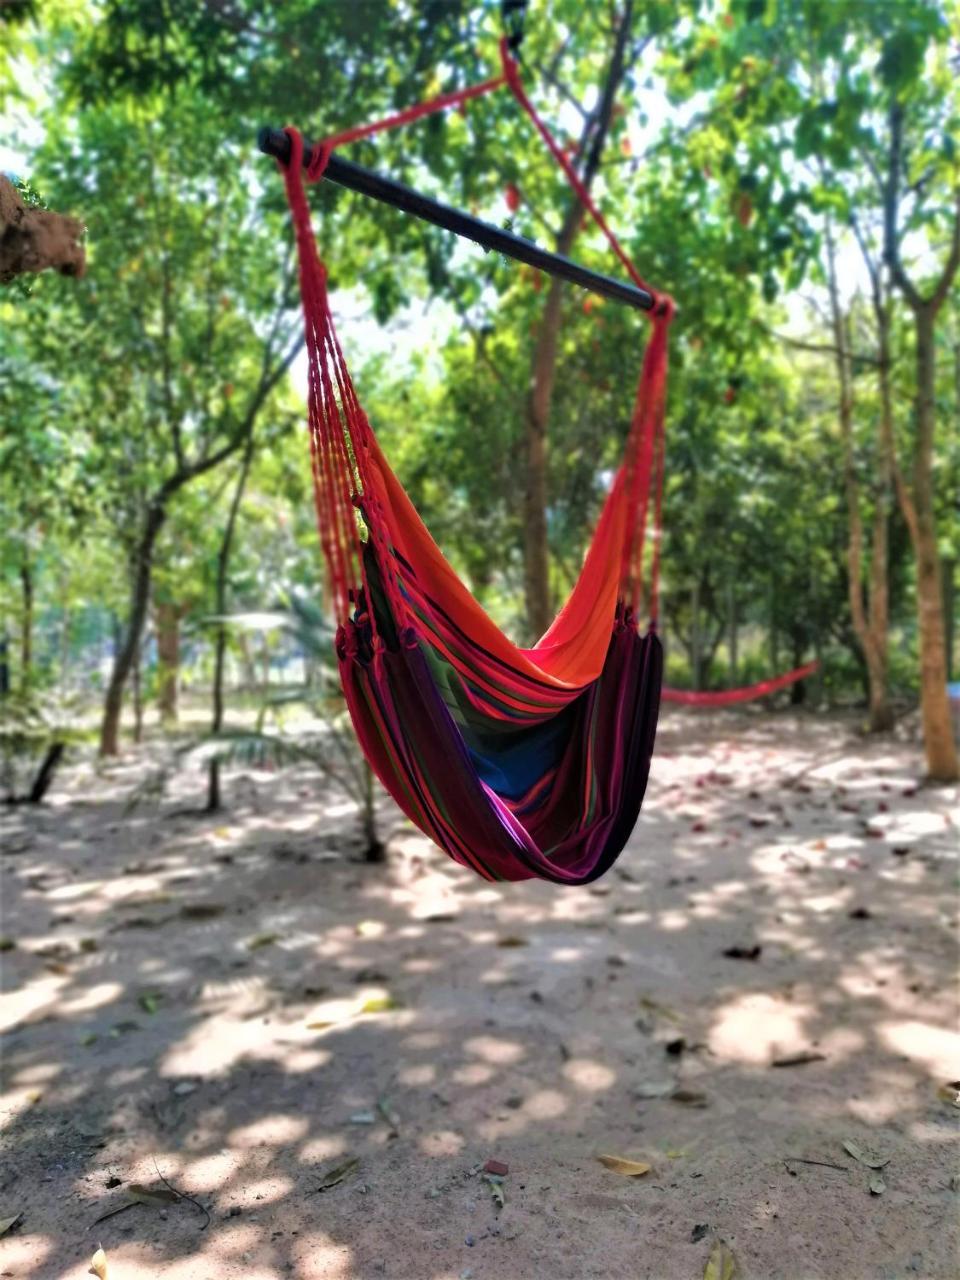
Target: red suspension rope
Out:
[644,451]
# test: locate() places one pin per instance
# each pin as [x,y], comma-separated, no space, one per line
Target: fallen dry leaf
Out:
[98,1265]
[721,1265]
[121,1028]
[799,1059]
[628,1168]
[512,940]
[201,910]
[864,1156]
[388,1114]
[654,1089]
[496,1189]
[139,1194]
[654,1006]
[743,953]
[7,1224]
[950,1093]
[337,1174]
[262,940]
[380,1004]
[690,1097]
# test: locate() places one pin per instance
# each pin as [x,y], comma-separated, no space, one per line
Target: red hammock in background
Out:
[517,762]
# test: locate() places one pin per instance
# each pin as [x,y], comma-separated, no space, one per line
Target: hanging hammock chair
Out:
[518,763]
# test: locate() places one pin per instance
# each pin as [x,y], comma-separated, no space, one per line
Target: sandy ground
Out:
[234,1003]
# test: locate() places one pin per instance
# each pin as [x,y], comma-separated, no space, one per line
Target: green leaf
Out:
[900,59]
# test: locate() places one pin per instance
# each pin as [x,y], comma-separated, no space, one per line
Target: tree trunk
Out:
[733,622]
[536,557]
[798,690]
[871,632]
[939,744]
[696,646]
[821,684]
[26,623]
[881,712]
[949,611]
[137,674]
[374,849]
[127,650]
[246,659]
[168,660]
[220,608]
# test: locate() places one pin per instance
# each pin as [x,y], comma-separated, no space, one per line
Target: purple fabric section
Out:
[575,830]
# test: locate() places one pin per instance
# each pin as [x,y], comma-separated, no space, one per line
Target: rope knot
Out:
[296,150]
[511,68]
[319,159]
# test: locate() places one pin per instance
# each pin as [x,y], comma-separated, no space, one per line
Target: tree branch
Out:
[891,210]
[818,348]
[952,263]
[552,79]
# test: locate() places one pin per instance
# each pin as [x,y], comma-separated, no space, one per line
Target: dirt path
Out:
[189,995]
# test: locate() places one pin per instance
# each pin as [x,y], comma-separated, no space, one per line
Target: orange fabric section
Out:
[572,652]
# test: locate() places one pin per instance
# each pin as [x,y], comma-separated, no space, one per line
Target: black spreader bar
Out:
[274,142]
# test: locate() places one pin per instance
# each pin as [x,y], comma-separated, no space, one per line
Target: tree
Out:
[870,618]
[919,505]
[178,307]
[589,152]
[840,85]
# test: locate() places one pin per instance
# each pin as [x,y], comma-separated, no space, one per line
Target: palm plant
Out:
[331,747]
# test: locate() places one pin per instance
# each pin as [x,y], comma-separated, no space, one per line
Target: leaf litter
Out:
[800,1059]
[339,1173]
[135,1193]
[722,1263]
[864,1156]
[626,1168]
